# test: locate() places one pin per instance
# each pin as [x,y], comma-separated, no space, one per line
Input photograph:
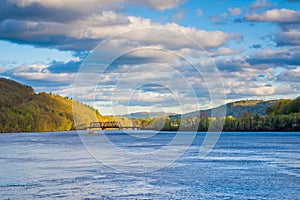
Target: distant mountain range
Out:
[147,114]
[235,109]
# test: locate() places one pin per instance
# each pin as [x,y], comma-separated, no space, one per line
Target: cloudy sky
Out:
[137,55]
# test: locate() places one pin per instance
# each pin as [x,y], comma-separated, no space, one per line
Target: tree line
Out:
[284,115]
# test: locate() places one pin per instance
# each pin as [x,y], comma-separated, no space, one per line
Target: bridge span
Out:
[111,124]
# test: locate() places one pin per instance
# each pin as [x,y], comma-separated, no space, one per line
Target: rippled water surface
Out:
[241,166]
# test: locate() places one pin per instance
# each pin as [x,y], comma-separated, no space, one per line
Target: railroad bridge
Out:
[111,124]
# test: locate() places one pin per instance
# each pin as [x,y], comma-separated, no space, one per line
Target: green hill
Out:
[13,93]
[22,110]
[285,106]
[235,109]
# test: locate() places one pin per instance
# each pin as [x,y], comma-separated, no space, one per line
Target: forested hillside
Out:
[285,107]
[22,110]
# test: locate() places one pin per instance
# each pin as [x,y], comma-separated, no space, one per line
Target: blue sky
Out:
[254,45]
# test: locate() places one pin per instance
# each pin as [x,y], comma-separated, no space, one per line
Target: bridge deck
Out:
[110,124]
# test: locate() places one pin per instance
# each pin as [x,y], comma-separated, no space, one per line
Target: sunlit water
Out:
[241,166]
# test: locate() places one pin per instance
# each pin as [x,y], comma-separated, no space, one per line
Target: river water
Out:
[240,166]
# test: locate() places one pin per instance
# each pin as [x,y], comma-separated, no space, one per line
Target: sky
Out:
[124,56]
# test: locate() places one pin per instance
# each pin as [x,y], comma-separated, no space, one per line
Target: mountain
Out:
[235,109]
[147,114]
[22,110]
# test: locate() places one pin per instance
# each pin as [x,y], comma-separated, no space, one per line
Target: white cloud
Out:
[259,83]
[290,36]
[105,18]
[290,75]
[258,4]
[220,18]
[235,11]
[158,4]
[85,33]
[90,22]
[275,15]
[224,51]
[79,4]
[145,85]
[257,90]
[40,72]
[96,4]
[152,97]
[283,57]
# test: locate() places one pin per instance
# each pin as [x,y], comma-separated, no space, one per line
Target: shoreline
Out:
[162,131]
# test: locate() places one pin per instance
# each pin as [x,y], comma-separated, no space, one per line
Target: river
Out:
[240,166]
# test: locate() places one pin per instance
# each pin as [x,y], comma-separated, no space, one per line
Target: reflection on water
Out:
[242,166]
